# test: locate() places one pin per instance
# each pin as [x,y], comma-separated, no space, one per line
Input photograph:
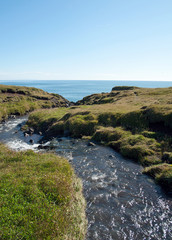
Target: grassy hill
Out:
[21,100]
[137,122]
[40,197]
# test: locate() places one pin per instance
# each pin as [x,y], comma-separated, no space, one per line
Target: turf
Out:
[40,197]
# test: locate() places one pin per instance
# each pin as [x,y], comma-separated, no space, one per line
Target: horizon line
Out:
[84,80]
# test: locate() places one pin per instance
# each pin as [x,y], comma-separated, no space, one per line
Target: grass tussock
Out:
[140,148]
[81,125]
[105,135]
[40,197]
[162,173]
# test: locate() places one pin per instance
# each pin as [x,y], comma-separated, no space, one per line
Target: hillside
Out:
[16,100]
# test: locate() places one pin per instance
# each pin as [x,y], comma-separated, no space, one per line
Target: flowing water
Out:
[122,203]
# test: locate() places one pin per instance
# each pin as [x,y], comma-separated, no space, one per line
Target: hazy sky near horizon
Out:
[86,39]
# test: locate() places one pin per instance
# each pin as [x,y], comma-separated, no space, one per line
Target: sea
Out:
[75,90]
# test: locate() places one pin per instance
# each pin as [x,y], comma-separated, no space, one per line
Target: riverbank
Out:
[115,208]
[40,197]
[134,121]
[17,101]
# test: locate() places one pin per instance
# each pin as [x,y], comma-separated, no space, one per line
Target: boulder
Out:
[31,131]
[26,134]
[31,141]
[91,144]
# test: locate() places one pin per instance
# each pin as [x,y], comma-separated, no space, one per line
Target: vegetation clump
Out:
[140,148]
[162,173]
[40,197]
[81,125]
[122,88]
[105,135]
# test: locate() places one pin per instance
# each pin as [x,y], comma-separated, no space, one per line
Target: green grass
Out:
[81,125]
[133,97]
[21,100]
[137,122]
[40,119]
[162,173]
[105,135]
[140,148]
[40,197]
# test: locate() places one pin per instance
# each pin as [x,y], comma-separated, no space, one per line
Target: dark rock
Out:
[110,156]
[59,139]
[26,134]
[91,144]
[49,147]
[71,104]
[31,131]
[42,147]
[122,88]
[167,157]
[31,141]
[22,92]
[144,107]
[66,133]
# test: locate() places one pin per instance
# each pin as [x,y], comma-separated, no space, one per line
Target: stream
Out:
[122,203]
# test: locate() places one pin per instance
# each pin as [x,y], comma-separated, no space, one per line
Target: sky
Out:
[86,39]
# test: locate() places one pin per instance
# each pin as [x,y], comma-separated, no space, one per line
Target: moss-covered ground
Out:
[137,122]
[40,197]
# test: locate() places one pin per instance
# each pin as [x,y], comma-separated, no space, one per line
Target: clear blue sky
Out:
[86,39]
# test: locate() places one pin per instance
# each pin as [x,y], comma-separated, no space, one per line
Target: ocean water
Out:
[75,90]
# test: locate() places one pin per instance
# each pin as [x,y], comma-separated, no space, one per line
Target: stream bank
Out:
[122,203]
